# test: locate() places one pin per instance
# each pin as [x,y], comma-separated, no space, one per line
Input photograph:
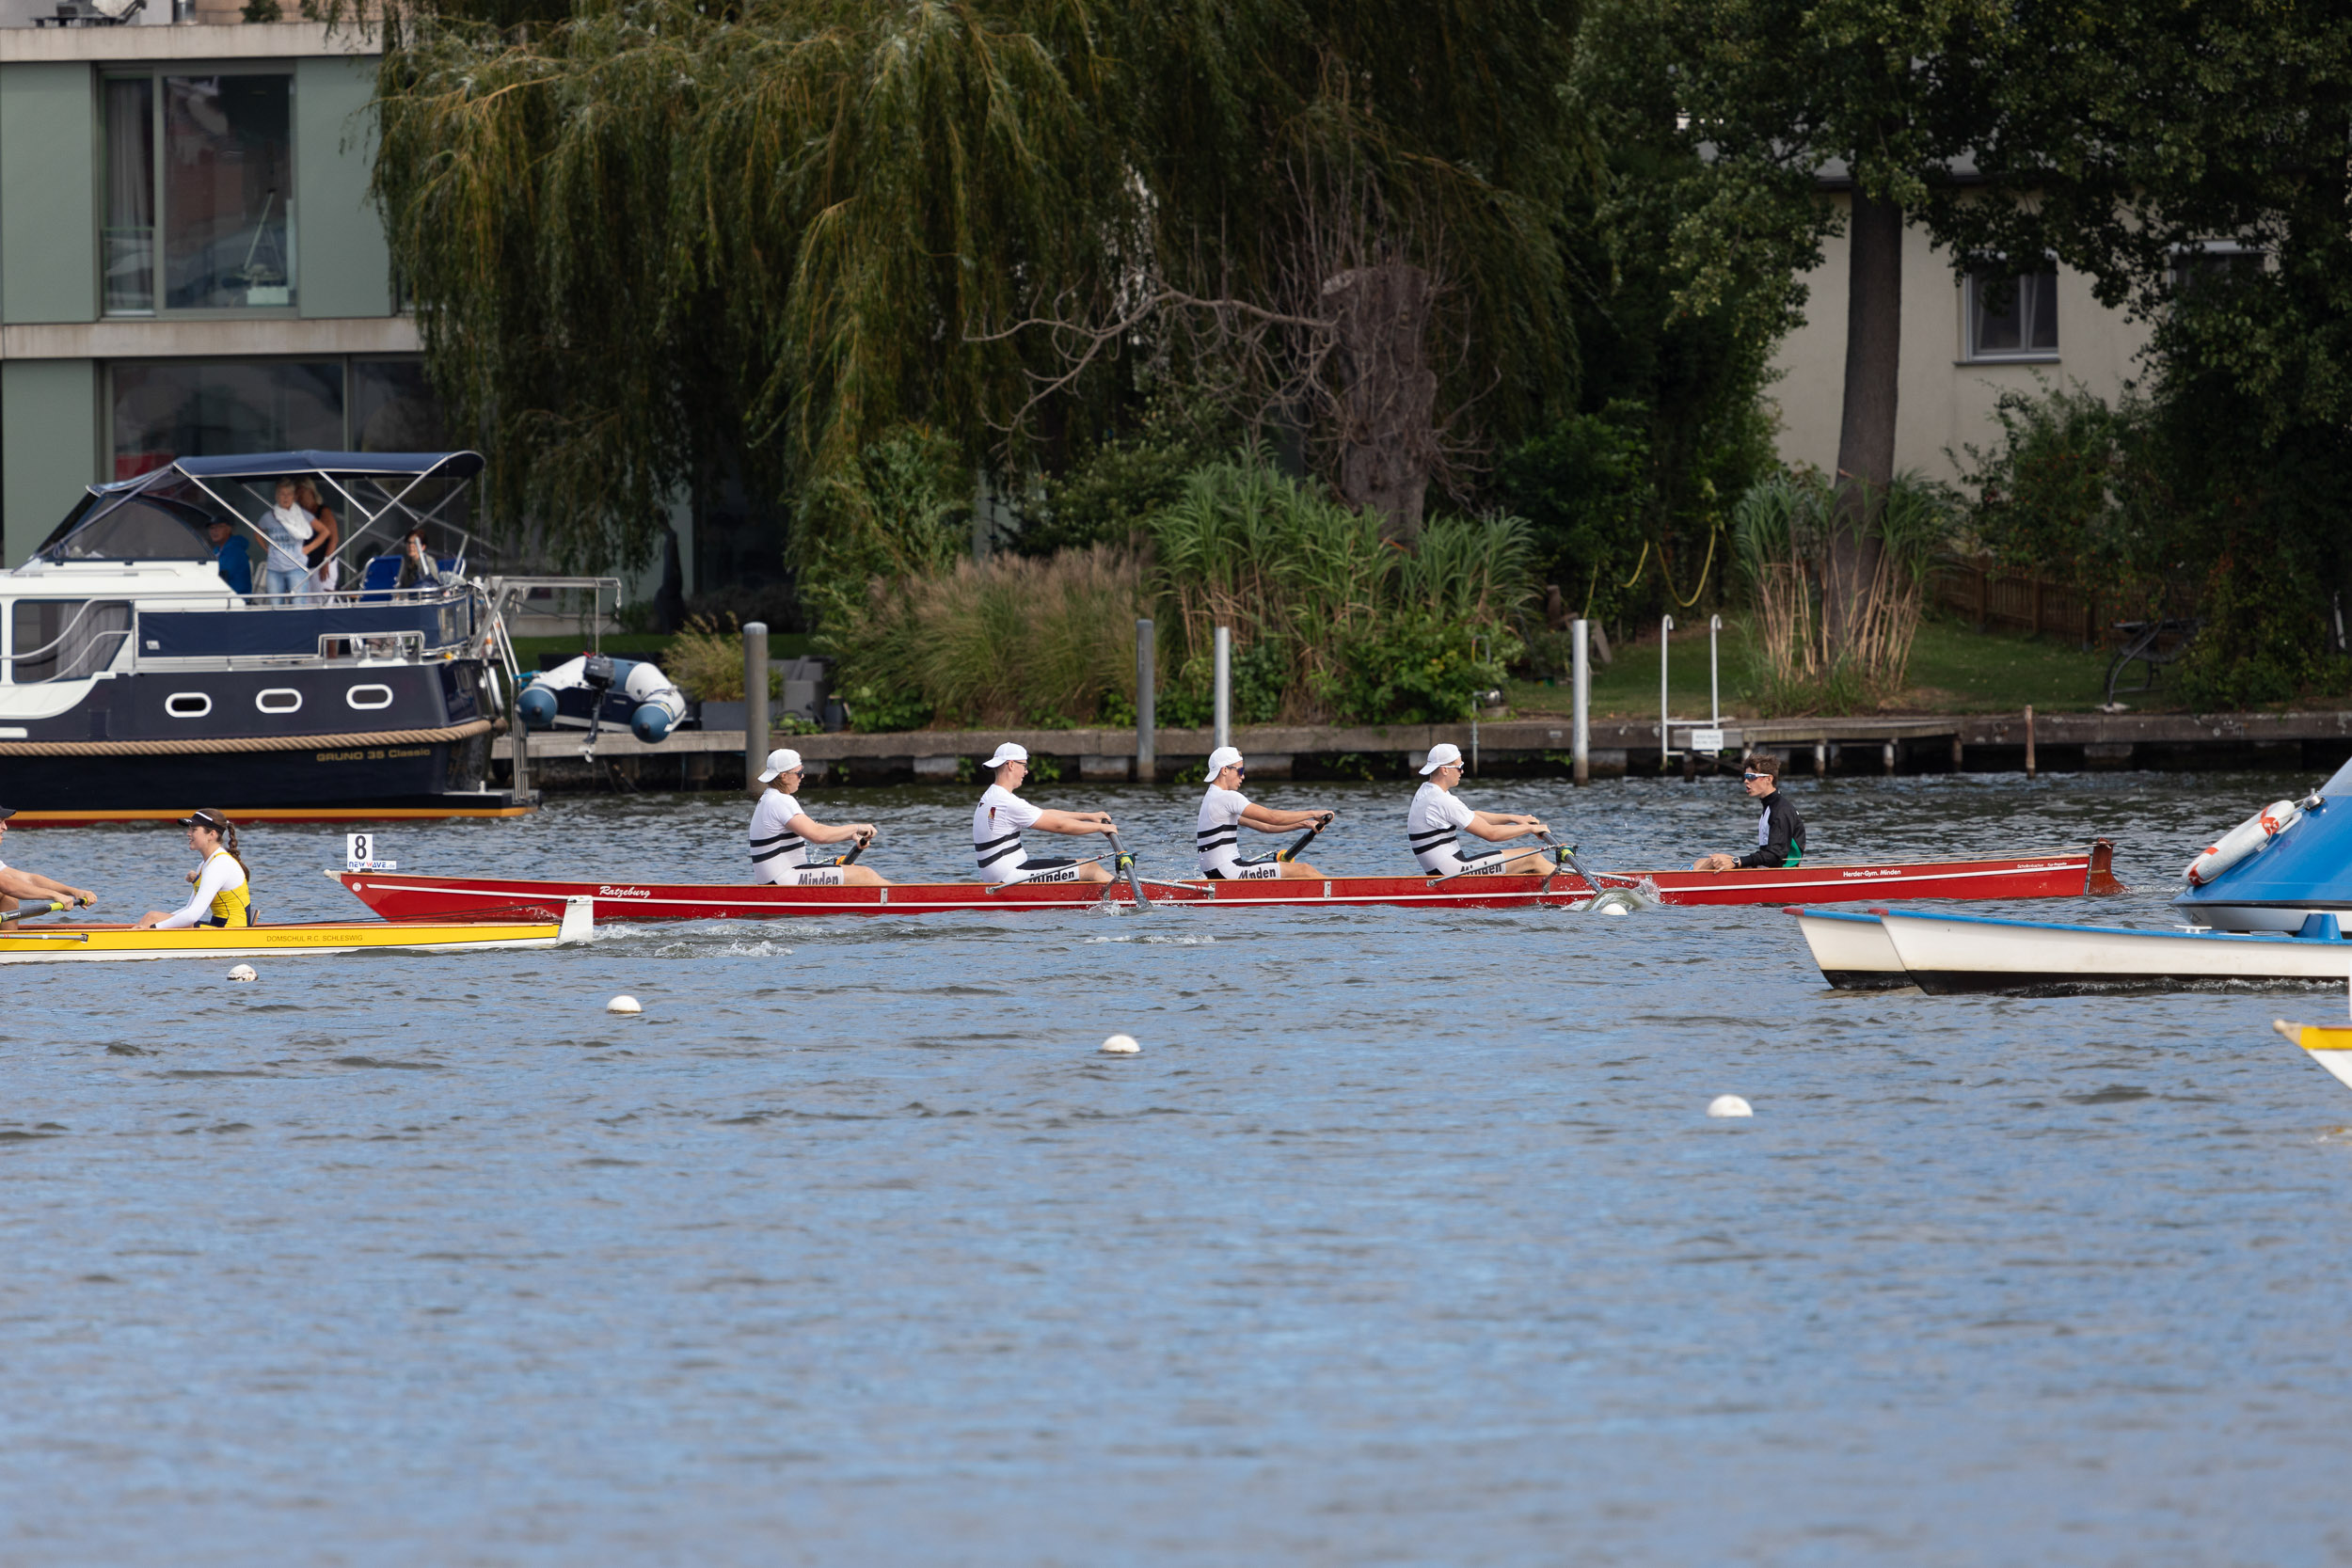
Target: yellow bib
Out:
[231,906]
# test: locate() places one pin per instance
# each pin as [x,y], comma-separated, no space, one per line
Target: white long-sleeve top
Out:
[221,873]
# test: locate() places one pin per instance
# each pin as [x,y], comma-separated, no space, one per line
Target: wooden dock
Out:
[713,759]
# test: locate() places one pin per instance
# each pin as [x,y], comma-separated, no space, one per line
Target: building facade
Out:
[1965,342]
[189,264]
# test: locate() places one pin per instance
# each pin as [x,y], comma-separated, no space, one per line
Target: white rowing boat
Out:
[1950,954]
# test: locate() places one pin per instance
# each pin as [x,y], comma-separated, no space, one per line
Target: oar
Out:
[855,850]
[1565,855]
[53,907]
[1306,838]
[1123,861]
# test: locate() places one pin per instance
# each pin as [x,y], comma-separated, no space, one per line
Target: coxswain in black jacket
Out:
[1779,830]
[1779,833]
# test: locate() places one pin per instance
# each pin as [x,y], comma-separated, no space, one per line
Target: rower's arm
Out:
[1500,829]
[1267,820]
[1076,823]
[21,885]
[817,833]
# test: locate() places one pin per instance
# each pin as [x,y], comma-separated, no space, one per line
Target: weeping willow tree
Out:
[653,241]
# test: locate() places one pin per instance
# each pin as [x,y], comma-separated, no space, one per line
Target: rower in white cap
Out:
[997,822]
[1437,818]
[1225,810]
[781,833]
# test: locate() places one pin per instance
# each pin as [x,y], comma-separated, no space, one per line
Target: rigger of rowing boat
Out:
[2060,874]
[572,921]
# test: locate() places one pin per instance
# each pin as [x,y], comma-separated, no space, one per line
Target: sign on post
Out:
[359,854]
[1707,740]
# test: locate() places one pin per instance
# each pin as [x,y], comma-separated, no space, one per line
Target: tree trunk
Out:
[1388,436]
[1866,433]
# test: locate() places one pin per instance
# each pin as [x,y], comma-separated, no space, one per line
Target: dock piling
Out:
[1147,699]
[2029,767]
[1579,703]
[1665,733]
[1224,686]
[754,703]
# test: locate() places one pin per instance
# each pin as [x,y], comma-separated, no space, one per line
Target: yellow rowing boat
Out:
[2329,1045]
[59,943]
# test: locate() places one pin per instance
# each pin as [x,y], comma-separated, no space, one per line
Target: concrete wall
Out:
[48,193]
[1944,403]
[48,447]
[345,264]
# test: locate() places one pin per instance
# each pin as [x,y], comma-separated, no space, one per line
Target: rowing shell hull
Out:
[1948,955]
[2056,874]
[1853,949]
[51,944]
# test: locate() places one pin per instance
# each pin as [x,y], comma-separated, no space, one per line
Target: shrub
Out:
[706,661]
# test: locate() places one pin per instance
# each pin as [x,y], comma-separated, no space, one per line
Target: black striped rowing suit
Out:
[779,855]
[996,824]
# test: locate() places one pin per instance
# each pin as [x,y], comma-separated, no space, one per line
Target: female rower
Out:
[1225,810]
[31,886]
[224,895]
[782,833]
[1437,815]
[999,818]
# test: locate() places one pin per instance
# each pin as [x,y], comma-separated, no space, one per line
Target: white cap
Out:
[1441,753]
[1004,753]
[780,761]
[1222,758]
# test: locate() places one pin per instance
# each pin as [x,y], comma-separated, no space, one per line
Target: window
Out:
[2013,315]
[2213,265]
[66,639]
[193,408]
[215,156]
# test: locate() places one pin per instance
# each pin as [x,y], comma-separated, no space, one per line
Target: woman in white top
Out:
[781,833]
[1225,810]
[286,575]
[224,894]
[997,822]
[1435,819]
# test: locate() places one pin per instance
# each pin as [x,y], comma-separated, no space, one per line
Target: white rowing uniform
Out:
[996,824]
[779,855]
[1216,838]
[1431,826]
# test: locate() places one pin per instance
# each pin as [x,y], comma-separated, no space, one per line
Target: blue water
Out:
[1405,1240]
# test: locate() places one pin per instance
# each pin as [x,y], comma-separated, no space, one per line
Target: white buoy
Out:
[1120,1045]
[1613,909]
[242,972]
[623,1004]
[1729,1105]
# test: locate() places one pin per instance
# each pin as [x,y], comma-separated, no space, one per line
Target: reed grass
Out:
[1324,613]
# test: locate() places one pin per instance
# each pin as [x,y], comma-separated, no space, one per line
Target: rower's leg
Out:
[1298,870]
[1535,862]
[860,875]
[1096,872]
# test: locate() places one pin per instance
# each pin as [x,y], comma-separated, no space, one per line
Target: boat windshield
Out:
[2339,786]
[148,528]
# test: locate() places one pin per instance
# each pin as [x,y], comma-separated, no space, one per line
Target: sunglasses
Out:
[1751,778]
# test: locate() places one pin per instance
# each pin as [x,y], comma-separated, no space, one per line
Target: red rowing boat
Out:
[2060,874]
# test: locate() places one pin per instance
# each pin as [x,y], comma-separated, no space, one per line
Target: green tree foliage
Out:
[2130,137]
[648,239]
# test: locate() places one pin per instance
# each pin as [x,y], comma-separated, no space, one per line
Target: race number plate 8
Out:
[359,854]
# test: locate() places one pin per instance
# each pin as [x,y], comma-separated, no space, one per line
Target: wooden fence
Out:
[1993,595]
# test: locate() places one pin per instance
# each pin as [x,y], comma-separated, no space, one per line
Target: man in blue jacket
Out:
[236,565]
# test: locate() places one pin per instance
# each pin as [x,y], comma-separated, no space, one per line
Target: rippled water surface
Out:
[1405,1239]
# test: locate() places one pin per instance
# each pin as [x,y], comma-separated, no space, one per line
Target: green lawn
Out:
[1953,670]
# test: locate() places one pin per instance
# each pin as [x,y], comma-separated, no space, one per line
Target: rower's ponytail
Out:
[229,842]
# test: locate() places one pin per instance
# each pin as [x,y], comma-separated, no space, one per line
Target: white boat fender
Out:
[624,1005]
[2242,841]
[1120,1045]
[1729,1105]
[242,972]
